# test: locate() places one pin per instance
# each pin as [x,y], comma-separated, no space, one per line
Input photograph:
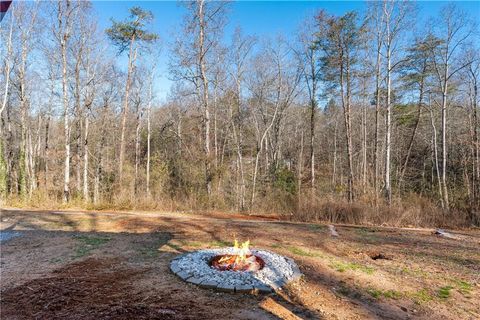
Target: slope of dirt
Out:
[91,265]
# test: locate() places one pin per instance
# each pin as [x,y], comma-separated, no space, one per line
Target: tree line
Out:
[368,116]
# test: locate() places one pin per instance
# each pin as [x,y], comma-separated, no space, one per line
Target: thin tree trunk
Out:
[334,164]
[300,166]
[86,195]
[435,151]
[137,149]
[388,127]
[345,93]
[203,75]
[47,152]
[149,109]
[377,120]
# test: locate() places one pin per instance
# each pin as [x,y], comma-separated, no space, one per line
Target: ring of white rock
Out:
[194,267]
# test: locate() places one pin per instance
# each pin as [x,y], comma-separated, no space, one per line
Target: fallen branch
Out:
[333,232]
[278,310]
[443,233]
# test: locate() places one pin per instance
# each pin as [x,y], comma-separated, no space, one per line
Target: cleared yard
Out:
[114,265]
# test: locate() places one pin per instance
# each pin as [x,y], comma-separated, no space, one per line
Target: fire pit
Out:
[236,269]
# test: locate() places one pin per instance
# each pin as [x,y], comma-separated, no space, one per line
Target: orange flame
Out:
[240,254]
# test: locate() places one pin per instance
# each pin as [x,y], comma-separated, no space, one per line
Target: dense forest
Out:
[368,117]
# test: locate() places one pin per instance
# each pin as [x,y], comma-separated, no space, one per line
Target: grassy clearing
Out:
[88,244]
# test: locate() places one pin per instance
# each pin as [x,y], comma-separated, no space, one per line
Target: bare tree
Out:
[452,31]
[395,19]
[126,35]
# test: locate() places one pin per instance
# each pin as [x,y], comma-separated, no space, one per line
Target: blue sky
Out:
[261,18]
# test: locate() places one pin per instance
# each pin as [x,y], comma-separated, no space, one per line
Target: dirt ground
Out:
[114,265]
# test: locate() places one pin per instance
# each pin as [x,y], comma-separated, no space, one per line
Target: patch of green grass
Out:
[304,253]
[444,292]
[415,272]
[374,293]
[276,245]
[220,243]
[316,227]
[87,244]
[421,296]
[389,294]
[194,244]
[344,266]
[367,234]
[174,246]
[464,287]
[392,294]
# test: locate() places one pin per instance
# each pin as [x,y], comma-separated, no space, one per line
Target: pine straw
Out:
[90,289]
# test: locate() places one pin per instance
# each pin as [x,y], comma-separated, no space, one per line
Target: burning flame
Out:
[241,259]
[240,254]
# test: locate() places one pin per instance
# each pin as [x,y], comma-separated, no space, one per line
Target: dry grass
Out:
[413,211]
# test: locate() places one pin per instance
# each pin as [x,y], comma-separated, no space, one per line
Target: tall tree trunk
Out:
[376,157]
[345,93]
[131,61]
[149,110]
[388,125]
[334,162]
[204,79]
[65,34]
[78,123]
[476,153]
[313,109]
[444,143]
